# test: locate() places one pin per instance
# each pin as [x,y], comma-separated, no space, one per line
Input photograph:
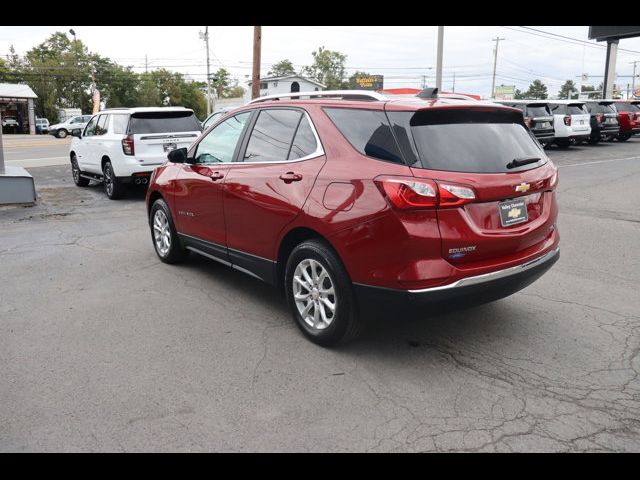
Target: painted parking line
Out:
[39,162]
[581,164]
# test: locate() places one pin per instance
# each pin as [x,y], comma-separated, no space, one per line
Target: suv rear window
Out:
[537,111]
[601,108]
[164,122]
[577,110]
[461,140]
[626,107]
[368,131]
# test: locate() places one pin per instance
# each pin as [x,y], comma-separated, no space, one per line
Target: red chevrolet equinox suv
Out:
[349,199]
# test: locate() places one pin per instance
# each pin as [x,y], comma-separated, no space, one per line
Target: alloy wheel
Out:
[161,232]
[314,294]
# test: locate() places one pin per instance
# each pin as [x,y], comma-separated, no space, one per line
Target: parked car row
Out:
[345,200]
[566,122]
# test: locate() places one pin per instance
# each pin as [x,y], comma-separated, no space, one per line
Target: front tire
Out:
[163,234]
[112,186]
[75,171]
[320,296]
[62,133]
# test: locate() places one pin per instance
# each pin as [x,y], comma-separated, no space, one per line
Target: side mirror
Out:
[178,156]
[76,132]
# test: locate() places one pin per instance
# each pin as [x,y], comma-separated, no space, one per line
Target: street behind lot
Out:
[105,348]
[35,150]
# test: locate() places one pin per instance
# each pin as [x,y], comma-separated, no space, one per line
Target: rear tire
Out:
[623,137]
[75,171]
[112,186]
[320,294]
[163,234]
[563,143]
[594,141]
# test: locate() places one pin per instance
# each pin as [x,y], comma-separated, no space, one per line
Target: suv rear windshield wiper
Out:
[518,162]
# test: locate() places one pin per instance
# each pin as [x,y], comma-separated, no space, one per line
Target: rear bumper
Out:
[465,292]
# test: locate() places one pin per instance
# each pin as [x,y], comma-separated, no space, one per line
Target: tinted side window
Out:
[272,135]
[91,127]
[103,123]
[304,143]
[120,124]
[220,143]
[368,131]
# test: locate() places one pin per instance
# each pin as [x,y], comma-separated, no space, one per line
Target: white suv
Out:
[123,145]
[571,122]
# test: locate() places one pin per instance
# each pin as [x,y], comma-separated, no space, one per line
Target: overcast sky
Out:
[402,54]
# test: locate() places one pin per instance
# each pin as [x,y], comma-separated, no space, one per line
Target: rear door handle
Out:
[290,177]
[216,176]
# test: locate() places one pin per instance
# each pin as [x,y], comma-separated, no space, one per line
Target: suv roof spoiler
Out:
[345,94]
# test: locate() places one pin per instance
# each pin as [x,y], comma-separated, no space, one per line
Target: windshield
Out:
[164,122]
[470,141]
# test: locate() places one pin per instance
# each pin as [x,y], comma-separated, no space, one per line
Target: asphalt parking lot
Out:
[105,348]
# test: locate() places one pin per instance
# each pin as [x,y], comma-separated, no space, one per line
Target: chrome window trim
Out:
[317,153]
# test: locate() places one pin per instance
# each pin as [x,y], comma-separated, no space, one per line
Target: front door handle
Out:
[216,176]
[290,177]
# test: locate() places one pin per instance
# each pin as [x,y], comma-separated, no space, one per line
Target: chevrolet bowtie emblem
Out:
[514,213]
[523,187]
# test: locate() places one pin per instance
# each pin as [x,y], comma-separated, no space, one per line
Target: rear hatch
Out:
[514,207]
[156,133]
[580,117]
[606,115]
[539,119]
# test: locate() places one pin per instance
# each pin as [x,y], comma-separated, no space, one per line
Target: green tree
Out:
[234,92]
[352,79]
[567,90]
[4,71]
[537,90]
[221,81]
[282,68]
[519,95]
[328,68]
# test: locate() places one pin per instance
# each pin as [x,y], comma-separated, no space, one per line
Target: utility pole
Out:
[633,79]
[205,36]
[255,79]
[439,58]
[1,148]
[146,64]
[495,64]
[454,82]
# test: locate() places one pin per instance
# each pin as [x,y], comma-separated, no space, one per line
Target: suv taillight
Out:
[630,115]
[600,117]
[528,121]
[413,193]
[567,120]
[127,145]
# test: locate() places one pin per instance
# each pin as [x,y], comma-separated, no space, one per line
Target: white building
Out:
[286,84]
[16,101]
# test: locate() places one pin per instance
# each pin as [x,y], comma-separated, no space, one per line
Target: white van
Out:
[571,122]
[123,145]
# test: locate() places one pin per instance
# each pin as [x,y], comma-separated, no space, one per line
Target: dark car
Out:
[351,199]
[537,117]
[604,121]
[628,118]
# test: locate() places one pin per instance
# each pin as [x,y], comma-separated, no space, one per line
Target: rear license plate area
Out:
[169,147]
[513,212]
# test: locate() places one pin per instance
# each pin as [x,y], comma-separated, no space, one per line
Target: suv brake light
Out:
[528,121]
[567,120]
[128,146]
[630,115]
[600,117]
[412,193]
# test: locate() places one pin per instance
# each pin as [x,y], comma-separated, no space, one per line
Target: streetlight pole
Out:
[439,58]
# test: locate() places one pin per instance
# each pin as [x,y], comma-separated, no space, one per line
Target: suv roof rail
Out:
[346,94]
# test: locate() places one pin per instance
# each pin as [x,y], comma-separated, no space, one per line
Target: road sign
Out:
[505,92]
